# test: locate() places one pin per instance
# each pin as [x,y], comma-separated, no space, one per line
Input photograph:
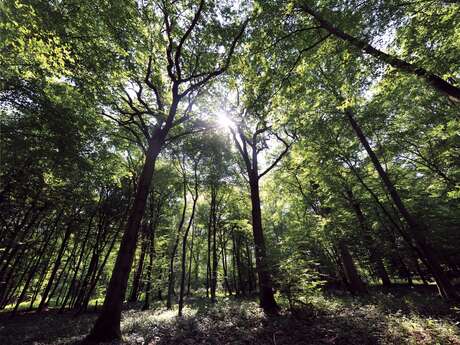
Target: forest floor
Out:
[395,316]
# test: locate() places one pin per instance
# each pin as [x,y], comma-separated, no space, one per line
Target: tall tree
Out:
[153,112]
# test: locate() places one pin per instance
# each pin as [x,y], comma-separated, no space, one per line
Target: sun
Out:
[223,120]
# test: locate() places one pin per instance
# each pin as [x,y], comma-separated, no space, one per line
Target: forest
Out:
[229,172]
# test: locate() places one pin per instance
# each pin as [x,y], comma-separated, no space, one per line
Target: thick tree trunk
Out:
[432,79]
[416,230]
[266,296]
[381,270]
[107,326]
[355,283]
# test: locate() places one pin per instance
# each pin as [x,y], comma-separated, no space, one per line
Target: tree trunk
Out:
[237,251]
[445,288]
[432,79]
[355,283]
[57,263]
[208,257]
[266,296]
[189,282]
[172,274]
[33,271]
[250,269]
[215,261]
[137,277]
[153,226]
[96,277]
[77,267]
[107,326]
[381,270]
[375,253]
[184,249]
[225,268]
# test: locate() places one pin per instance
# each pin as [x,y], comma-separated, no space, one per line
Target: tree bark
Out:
[416,230]
[57,263]
[215,261]
[154,220]
[432,79]
[107,326]
[266,296]
[184,247]
[189,282]
[140,266]
[355,283]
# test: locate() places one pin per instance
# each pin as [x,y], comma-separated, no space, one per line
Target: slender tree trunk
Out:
[57,263]
[148,286]
[153,226]
[33,272]
[41,279]
[225,269]
[171,280]
[445,288]
[208,257]
[64,273]
[10,291]
[237,251]
[172,274]
[374,250]
[184,248]
[96,277]
[84,284]
[107,326]
[140,266]
[7,271]
[77,267]
[250,269]
[189,282]
[215,260]
[432,79]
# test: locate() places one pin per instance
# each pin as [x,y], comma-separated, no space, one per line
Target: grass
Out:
[396,316]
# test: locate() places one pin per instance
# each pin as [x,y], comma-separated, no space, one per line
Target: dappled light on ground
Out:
[381,318]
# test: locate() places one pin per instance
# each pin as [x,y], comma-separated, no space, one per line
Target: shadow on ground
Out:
[383,317]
